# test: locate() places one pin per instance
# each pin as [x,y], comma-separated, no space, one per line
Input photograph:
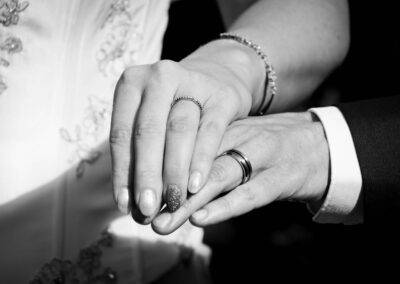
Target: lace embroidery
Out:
[11,45]
[119,50]
[87,270]
[86,136]
[9,11]
[9,15]
[123,41]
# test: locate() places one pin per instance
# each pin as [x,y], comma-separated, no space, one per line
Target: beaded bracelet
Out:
[270,81]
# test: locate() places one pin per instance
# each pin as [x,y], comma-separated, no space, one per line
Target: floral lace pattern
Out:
[123,39]
[9,15]
[9,11]
[119,50]
[87,270]
[86,135]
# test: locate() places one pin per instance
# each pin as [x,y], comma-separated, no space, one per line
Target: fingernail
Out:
[194,182]
[200,215]
[123,200]
[162,221]
[147,202]
[174,195]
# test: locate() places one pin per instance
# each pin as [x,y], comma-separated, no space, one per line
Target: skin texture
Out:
[154,146]
[290,159]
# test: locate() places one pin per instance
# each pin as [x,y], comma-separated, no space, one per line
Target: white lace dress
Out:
[59,63]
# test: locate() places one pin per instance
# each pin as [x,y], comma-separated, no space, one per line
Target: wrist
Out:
[244,65]
[321,171]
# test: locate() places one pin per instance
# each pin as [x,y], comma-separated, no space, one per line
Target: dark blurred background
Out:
[281,240]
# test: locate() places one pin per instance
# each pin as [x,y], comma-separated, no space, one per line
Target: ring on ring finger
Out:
[243,162]
[191,99]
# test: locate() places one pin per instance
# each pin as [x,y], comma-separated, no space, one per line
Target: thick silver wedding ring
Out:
[243,162]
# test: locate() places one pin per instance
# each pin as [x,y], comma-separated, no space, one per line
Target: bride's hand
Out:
[290,161]
[159,151]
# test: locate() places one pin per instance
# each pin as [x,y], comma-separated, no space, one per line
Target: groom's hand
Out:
[290,160]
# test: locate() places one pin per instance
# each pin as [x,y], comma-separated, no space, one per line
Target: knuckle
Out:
[131,74]
[203,158]
[130,84]
[218,173]
[163,66]
[249,196]
[211,127]
[148,128]
[188,206]
[120,135]
[174,171]
[127,76]
[181,124]
[161,70]
[226,204]
[147,174]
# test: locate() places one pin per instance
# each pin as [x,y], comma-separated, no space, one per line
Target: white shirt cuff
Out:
[343,202]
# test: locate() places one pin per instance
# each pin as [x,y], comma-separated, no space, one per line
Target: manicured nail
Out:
[174,195]
[200,215]
[123,200]
[162,221]
[194,182]
[147,202]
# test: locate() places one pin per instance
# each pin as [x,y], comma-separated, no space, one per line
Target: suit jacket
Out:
[371,72]
[375,128]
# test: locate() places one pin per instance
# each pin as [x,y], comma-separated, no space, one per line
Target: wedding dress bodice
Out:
[59,64]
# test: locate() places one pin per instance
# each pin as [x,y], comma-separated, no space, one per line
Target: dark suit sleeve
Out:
[375,128]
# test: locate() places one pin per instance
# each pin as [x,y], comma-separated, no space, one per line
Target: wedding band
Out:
[243,162]
[193,100]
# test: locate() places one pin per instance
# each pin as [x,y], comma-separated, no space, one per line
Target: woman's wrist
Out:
[243,63]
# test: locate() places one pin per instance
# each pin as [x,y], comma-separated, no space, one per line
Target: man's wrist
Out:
[342,199]
[323,163]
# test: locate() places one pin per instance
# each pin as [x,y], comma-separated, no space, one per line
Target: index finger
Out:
[127,99]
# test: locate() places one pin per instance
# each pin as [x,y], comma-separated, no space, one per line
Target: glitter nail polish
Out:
[174,195]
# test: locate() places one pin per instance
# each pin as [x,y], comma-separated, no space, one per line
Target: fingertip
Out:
[200,216]
[147,202]
[195,180]
[174,197]
[139,217]
[161,222]
[123,200]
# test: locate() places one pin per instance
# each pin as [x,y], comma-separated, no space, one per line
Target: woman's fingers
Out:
[126,103]
[225,174]
[182,125]
[149,140]
[194,132]
[141,107]
[158,150]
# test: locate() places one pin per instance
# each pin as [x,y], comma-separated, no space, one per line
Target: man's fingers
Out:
[260,191]
[225,174]
[236,202]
